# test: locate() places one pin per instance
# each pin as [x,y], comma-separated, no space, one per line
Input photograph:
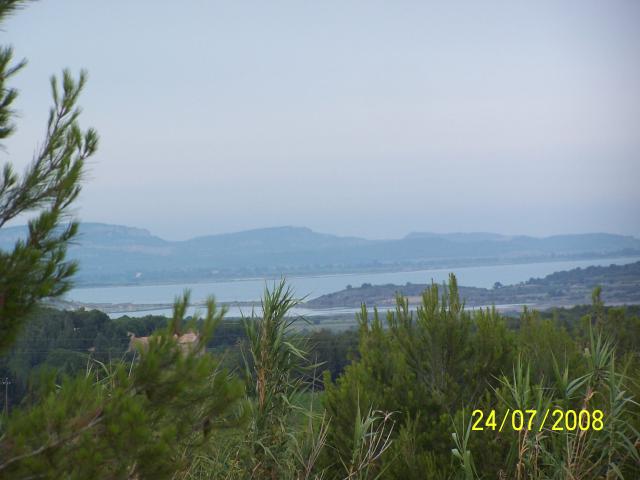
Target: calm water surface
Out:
[248,290]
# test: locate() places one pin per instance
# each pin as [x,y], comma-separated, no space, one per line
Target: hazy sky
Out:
[365,118]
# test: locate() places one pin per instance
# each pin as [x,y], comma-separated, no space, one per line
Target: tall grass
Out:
[542,453]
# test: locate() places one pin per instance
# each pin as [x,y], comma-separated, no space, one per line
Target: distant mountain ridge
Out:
[460,236]
[115,254]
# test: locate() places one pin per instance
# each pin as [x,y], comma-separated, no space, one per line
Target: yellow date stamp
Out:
[557,420]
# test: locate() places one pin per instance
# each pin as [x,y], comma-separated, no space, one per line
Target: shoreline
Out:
[397,269]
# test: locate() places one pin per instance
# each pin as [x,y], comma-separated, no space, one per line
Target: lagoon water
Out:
[314,286]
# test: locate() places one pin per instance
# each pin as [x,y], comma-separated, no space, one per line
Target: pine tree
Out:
[37,267]
[146,419]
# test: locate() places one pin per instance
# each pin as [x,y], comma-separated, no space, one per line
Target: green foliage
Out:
[285,437]
[437,363]
[164,406]
[544,453]
[426,365]
[275,426]
[542,343]
[273,361]
[149,419]
[461,451]
[36,267]
[371,439]
[68,339]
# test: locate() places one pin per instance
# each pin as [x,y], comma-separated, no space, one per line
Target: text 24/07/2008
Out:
[554,419]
